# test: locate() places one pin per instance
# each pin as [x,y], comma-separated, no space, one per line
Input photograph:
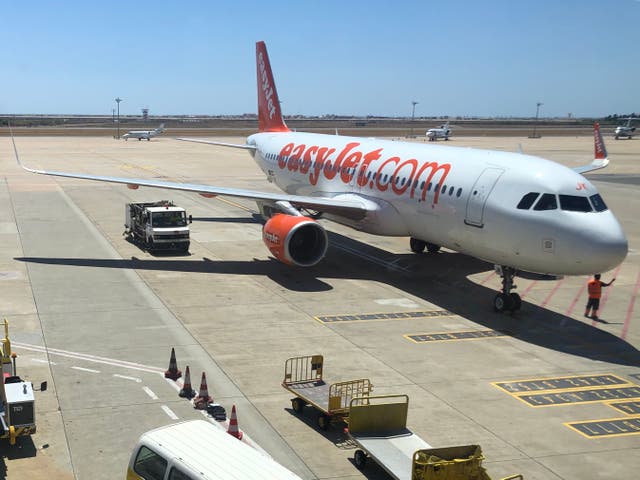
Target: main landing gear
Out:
[507,300]
[418,246]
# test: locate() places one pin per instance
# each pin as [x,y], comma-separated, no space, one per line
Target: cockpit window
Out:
[574,203]
[547,202]
[527,200]
[598,203]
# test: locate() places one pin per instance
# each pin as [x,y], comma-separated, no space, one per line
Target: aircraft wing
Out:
[221,144]
[350,207]
[600,160]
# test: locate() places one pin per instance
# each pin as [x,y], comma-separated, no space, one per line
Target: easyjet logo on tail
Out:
[395,174]
[267,89]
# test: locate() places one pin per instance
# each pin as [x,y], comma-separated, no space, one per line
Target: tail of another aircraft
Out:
[160,129]
[269,114]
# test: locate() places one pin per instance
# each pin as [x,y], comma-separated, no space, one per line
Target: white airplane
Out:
[144,134]
[516,211]
[626,130]
[443,131]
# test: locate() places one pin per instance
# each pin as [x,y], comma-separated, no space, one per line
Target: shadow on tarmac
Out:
[441,279]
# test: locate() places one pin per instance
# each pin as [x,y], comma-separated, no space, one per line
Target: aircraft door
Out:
[479,194]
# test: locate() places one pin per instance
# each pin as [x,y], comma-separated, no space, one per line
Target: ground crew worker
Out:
[594,288]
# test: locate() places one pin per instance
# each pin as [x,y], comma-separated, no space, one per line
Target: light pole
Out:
[118,100]
[535,123]
[413,114]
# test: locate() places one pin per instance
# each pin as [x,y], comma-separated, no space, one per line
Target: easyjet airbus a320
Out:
[516,211]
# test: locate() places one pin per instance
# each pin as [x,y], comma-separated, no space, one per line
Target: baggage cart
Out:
[303,376]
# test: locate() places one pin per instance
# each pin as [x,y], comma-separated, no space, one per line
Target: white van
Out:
[198,450]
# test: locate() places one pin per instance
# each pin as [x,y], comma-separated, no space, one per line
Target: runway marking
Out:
[552,293]
[175,385]
[610,427]
[554,399]
[575,300]
[630,408]
[382,316]
[82,369]
[39,360]
[169,412]
[607,292]
[135,379]
[627,320]
[370,258]
[452,336]
[149,392]
[488,277]
[528,289]
[90,358]
[568,383]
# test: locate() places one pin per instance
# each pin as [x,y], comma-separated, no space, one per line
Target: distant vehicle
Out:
[443,131]
[626,130]
[157,226]
[200,450]
[144,134]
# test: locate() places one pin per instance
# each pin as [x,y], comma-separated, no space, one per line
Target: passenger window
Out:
[429,187]
[422,185]
[451,189]
[573,203]
[547,202]
[459,192]
[598,203]
[149,465]
[175,474]
[444,189]
[527,200]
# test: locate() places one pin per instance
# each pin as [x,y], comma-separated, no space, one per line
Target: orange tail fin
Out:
[269,114]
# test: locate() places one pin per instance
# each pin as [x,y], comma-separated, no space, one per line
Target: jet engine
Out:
[295,240]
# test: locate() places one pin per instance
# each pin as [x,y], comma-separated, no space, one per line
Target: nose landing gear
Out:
[507,300]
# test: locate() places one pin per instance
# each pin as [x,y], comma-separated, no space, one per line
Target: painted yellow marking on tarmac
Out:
[567,383]
[607,427]
[370,317]
[577,397]
[630,408]
[453,336]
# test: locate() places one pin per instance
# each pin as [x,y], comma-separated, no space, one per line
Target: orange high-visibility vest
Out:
[595,288]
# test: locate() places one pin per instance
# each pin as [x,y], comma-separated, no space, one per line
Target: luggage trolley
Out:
[303,378]
[378,425]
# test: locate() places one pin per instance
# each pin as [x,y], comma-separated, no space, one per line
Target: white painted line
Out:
[43,361]
[149,392]
[173,384]
[169,412]
[90,370]
[135,379]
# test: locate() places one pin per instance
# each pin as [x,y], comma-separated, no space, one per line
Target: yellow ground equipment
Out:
[378,425]
[303,378]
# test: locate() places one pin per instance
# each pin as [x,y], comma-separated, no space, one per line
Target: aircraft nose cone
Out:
[608,246]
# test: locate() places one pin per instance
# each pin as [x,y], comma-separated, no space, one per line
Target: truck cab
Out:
[158,226]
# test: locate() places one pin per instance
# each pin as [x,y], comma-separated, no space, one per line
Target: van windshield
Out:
[168,219]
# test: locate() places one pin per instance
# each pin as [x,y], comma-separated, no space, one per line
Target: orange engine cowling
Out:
[295,240]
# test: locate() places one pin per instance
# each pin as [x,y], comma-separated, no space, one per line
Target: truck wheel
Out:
[298,405]
[323,421]
[360,459]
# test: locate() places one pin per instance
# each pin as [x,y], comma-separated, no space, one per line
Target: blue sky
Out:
[487,58]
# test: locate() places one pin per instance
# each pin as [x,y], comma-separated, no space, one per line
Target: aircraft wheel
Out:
[433,248]
[502,302]
[417,246]
[616,137]
[516,300]
[323,421]
[298,405]
[360,459]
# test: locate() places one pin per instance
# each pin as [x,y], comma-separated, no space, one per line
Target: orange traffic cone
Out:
[203,398]
[187,391]
[233,425]
[173,373]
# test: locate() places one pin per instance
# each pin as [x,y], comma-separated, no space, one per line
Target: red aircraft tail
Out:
[269,114]
[600,149]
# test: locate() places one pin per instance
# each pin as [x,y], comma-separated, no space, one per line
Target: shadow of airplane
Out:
[441,279]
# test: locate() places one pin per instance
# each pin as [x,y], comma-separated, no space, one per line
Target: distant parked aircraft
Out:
[626,130]
[443,131]
[144,134]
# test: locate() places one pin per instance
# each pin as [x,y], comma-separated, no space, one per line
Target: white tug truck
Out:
[158,226]
[17,405]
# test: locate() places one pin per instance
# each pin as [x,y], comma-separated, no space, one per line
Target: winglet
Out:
[269,114]
[600,149]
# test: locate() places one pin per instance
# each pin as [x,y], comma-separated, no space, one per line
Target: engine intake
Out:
[295,240]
